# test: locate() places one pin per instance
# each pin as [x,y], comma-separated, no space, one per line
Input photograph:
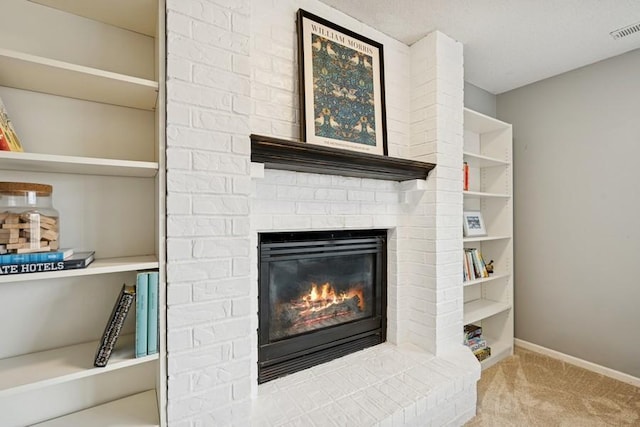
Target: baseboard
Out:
[608,372]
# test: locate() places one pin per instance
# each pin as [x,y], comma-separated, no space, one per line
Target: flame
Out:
[326,296]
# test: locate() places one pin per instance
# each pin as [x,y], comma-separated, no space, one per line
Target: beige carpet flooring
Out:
[530,389]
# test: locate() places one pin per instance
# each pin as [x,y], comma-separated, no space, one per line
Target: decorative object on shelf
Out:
[114,325]
[465,176]
[28,221]
[489,267]
[473,224]
[8,137]
[341,87]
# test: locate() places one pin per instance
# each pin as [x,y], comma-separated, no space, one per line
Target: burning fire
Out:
[322,296]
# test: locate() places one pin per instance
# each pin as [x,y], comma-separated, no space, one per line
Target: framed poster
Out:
[473,224]
[341,87]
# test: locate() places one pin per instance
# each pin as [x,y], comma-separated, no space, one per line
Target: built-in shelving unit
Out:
[489,300]
[83,83]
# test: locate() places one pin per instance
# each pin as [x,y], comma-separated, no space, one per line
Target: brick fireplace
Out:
[231,72]
[399,382]
[321,295]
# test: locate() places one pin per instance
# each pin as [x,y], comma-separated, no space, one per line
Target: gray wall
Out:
[577,199]
[479,100]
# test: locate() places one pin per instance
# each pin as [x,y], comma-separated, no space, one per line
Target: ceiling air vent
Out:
[626,31]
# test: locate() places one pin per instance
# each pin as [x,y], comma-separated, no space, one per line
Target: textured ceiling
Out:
[508,43]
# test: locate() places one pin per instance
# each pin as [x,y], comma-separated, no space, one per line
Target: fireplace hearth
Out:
[322,295]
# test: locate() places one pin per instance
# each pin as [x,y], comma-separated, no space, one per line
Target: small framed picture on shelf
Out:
[473,224]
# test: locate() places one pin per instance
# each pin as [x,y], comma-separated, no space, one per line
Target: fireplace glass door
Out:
[322,295]
[314,293]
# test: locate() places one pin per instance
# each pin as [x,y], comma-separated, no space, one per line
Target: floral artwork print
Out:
[343,92]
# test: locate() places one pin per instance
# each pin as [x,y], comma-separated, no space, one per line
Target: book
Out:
[58,255]
[482,353]
[152,318]
[142,295]
[477,343]
[474,267]
[79,260]
[8,138]
[114,325]
[472,271]
[483,265]
[471,331]
[465,176]
[75,261]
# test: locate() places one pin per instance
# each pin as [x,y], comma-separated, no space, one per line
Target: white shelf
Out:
[99,266]
[138,410]
[35,73]
[134,15]
[481,123]
[482,195]
[484,279]
[33,162]
[484,238]
[479,309]
[36,370]
[480,161]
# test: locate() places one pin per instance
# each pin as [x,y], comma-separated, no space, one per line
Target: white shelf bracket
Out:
[257,170]
[411,191]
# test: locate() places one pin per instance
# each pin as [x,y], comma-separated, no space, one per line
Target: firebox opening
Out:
[322,295]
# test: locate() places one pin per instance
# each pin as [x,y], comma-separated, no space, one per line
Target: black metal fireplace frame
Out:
[285,356]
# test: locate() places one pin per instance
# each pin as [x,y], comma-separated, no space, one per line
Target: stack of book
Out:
[473,265]
[147,313]
[145,295]
[476,343]
[63,259]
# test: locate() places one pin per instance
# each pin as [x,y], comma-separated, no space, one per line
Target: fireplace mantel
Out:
[277,153]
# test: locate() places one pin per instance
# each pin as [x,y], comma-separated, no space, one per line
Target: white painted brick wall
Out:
[436,135]
[229,75]
[208,183]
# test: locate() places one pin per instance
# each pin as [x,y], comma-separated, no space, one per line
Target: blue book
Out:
[152,320]
[55,256]
[142,295]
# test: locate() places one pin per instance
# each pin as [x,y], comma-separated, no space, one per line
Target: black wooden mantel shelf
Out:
[277,153]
